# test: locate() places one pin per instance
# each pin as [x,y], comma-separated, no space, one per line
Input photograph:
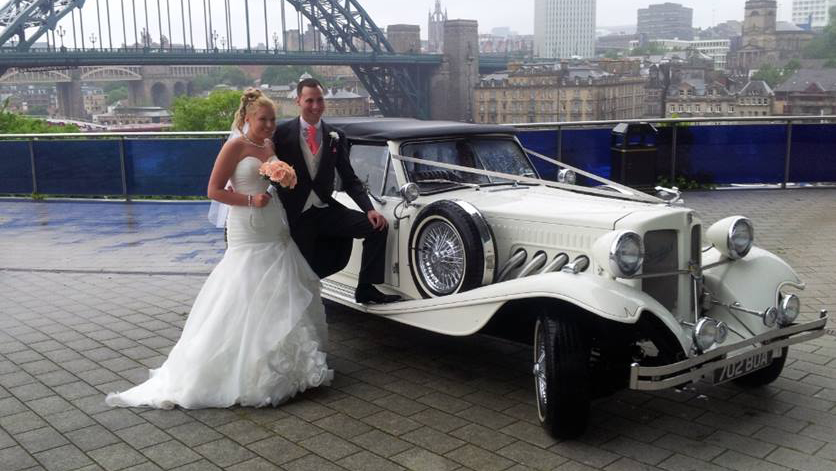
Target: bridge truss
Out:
[399,89]
[348,28]
[17,16]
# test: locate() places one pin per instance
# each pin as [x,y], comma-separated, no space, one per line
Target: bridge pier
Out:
[452,84]
[70,99]
[136,93]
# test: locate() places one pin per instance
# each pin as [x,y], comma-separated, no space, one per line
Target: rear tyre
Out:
[561,375]
[765,375]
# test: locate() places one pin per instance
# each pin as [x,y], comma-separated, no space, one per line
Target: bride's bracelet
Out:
[250,200]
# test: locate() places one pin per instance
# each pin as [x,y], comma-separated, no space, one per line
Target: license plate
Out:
[743,366]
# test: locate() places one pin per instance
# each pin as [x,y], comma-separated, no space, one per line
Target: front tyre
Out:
[561,375]
[766,375]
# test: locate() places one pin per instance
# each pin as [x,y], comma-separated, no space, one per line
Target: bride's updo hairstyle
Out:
[251,100]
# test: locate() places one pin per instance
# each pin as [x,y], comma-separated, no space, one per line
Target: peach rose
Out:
[279,172]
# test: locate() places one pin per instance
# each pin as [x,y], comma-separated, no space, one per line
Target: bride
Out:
[256,330]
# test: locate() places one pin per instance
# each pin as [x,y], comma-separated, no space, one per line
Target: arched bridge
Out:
[73,33]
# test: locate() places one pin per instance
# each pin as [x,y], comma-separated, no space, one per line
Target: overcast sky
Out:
[519,14]
[516,14]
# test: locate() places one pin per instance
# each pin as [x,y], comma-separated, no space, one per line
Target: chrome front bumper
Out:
[652,378]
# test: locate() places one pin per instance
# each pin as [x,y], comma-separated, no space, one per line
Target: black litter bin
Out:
[634,151]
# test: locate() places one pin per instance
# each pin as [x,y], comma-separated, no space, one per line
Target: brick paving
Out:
[92,294]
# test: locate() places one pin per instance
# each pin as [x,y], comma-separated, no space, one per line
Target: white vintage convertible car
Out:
[613,288]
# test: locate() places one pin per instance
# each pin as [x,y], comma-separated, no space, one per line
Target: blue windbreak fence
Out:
[713,154]
[169,167]
[165,165]
[110,166]
[814,153]
[15,167]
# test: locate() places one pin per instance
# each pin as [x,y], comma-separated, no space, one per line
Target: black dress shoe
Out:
[368,294]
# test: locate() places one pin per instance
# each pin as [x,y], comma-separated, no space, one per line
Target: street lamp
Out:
[276,41]
[214,39]
[93,39]
[61,32]
[223,42]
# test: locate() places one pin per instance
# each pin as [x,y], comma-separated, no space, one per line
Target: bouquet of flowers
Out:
[278,172]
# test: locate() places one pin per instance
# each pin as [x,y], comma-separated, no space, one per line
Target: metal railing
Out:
[675,123]
[36,154]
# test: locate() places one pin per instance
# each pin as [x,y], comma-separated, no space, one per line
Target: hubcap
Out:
[440,257]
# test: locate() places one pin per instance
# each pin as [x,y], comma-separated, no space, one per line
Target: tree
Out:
[228,74]
[282,74]
[117,94]
[824,45]
[769,74]
[13,123]
[775,76]
[211,113]
[652,49]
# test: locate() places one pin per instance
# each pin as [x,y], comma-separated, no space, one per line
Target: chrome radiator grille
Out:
[661,255]
[696,259]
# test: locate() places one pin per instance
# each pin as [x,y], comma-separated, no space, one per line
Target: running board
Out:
[341,293]
[344,294]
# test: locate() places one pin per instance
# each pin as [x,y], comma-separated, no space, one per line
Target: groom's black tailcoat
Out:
[324,234]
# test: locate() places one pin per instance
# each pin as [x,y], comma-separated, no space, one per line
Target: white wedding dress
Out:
[256,331]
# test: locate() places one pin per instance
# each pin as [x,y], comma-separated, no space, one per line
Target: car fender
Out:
[754,281]
[466,313]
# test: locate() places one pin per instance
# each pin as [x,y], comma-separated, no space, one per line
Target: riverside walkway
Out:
[93,293]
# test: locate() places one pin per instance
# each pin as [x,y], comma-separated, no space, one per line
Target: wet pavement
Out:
[92,294]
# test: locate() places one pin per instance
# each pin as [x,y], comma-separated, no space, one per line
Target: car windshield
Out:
[497,155]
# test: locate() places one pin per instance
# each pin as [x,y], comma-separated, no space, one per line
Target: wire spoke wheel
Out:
[441,258]
[447,254]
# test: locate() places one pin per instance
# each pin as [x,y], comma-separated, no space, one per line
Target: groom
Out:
[317,221]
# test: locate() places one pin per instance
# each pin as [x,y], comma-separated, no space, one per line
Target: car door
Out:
[373,166]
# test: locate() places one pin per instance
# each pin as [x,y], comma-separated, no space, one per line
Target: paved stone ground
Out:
[92,294]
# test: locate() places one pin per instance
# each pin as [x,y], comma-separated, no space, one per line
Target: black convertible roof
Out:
[383,129]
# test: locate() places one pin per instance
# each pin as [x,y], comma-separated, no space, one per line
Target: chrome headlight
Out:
[567,176]
[789,309]
[770,316]
[708,331]
[621,252]
[732,236]
[410,192]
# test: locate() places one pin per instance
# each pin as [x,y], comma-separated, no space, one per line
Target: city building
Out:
[716,49]
[94,100]
[614,43]
[766,40]
[517,45]
[340,102]
[666,21]
[311,40]
[697,90]
[812,13]
[435,29]
[756,98]
[807,92]
[35,99]
[120,115]
[564,29]
[549,92]
[725,30]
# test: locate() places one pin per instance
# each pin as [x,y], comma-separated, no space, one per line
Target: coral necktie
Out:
[311,140]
